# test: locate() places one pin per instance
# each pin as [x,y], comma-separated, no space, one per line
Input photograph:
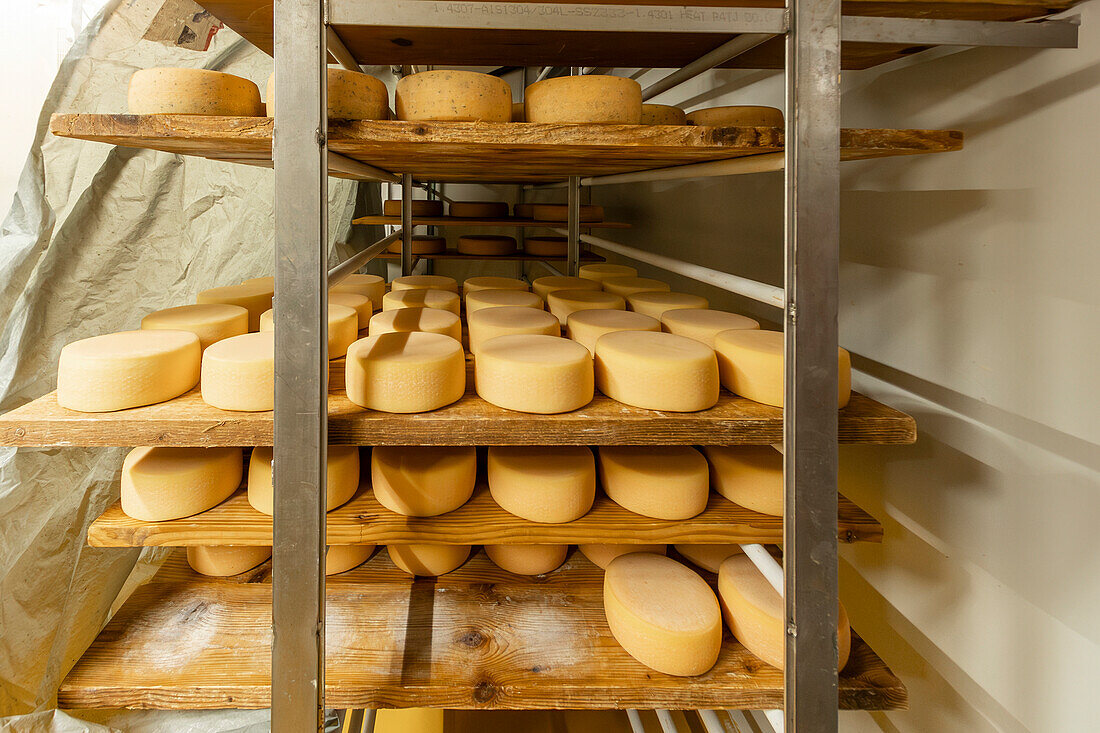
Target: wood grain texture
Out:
[477,638]
[510,223]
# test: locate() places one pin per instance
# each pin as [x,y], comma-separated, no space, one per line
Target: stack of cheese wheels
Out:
[703,325]
[592,98]
[479,209]
[488,323]
[663,482]
[564,303]
[548,284]
[238,373]
[754,612]
[548,246]
[225,560]
[419,207]
[343,328]
[523,211]
[656,371]
[601,271]
[484,299]
[602,555]
[748,475]
[662,114]
[422,244]
[547,484]
[517,112]
[405,372]
[359,303]
[532,373]
[406,320]
[736,116]
[751,364]
[560,212]
[428,560]
[342,478]
[627,286]
[423,481]
[453,96]
[662,613]
[708,557]
[211,322]
[424,282]
[127,369]
[488,282]
[255,297]
[341,558]
[192,92]
[586,326]
[441,299]
[655,302]
[372,287]
[352,95]
[527,559]
[159,484]
[486,245]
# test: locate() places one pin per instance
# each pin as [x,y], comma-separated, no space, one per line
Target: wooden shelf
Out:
[452,254]
[483,151]
[477,638]
[509,223]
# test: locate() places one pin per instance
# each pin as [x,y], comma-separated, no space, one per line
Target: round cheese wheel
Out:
[424,282]
[238,373]
[663,482]
[211,322]
[159,484]
[163,91]
[539,246]
[656,371]
[479,209]
[754,612]
[627,286]
[737,116]
[601,271]
[225,560]
[488,323]
[591,98]
[420,207]
[428,560]
[404,320]
[343,327]
[538,374]
[527,559]
[268,281]
[440,299]
[585,327]
[253,297]
[748,475]
[341,558]
[708,557]
[547,484]
[369,286]
[422,244]
[602,555]
[655,302]
[352,95]
[702,324]
[550,283]
[116,371]
[342,478]
[564,303]
[359,303]
[662,613]
[751,365]
[523,211]
[560,212]
[423,481]
[473,284]
[486,245]
[662,114]
[453,96]
[405,372]
[482,299]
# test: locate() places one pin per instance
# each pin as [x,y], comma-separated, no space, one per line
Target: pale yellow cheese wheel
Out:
[422,244]
[655,302]
[527,559]
[662,114]
[748,475]
[560,212]
[656,371]
[517,112]
[489,282]
[211,322]
[602,555]
[342,558]
[523,211]
[708,557]
[486,245]
[255,297]
[343,327]
[530,373]
[159,484]
[192,92]
[420,207]
[585,327]
[428,560]
[482,299]
[479,209]
[627,286]
[117,371]
[359,303]
[754,611]
[751,364]
[737,116]
[591,98]
[267,281]
[369,286]
[662,613]
[704,324]
[600,271]
[225,560]
[424,282]
[238,373]
[405,372]
[546,484]
[352,95]
[423,481]
[342,477]
[453,96]
[564,303]
[548,284]
[546,246]
[445,300]
[488,323]
[404,320]
[663,482]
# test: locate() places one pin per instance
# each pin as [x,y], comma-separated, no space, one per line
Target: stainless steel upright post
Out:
[573,246]
[301,367]
[810,427]
[406,224]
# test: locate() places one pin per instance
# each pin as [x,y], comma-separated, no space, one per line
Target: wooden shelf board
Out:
[509,223]
[452,254]
[477,638]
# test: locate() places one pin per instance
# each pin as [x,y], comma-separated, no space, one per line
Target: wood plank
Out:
[478,638]
[453,254]
[508,223]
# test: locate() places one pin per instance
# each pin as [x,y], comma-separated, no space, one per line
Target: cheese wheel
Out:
[342,478]
[116,371]
[405,372]
[703,324]
[546,484]
[453,96]
[517,112]
[163,91]
[404,320]
[343,327]
[422,244]
[560,212]
[527,559]
[159,484]
[444,300]
[656,371]
[369,286]
[267,281]
[591,98]
[482,299]
[663,482]
[754,612]
[488,323]
[473,284]
[341,558]
[420,207]
[523,211]
[748,475]
[254,297]
[550,283]
[751,365]
[352,95]
[211,322]
[423,481]
[601,271]
[238,373]
[585,327]
[538,374]
[424,282]
[479,209]
[428,560]
[655,302]
[627,286]
[737,116]
[225,560]
[662,114]
[564,303]
[359,303]
[708,557]
[662,613]
[486,245]
[539,246]
[602,555]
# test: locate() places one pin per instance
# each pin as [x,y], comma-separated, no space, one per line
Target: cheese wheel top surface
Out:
[453,96]
[424,282]
[663,592]
[708,557]
[412,346]
[703,324]
[627,285]
[653,346]
[737,116]
[247,348]
[600,271]
[192,92]
[587,326]
[483,299]
[358,302]
[548,284]
[210,322]
[124,345]
[441,299]
[656,302]
[267,281]
[370,286]
[489,322]
[534,349]
[488,282]
[582,299]
[431,320]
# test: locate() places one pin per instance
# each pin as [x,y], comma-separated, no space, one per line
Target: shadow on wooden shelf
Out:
[453,254]
[510,223]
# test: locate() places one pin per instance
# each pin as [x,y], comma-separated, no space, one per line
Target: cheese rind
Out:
[343,327]
[405,372]
[663,482]
[420,207]
[748,475]
[211,322]
[537,374]
[703,324]
[548,246]
[255,297]
[479,209]
[369,286]
[225,560]
[527,559]
[159,484]
[422,244]
[453,96]
[486,245]
[627,286]
[523,211]
[342,478]
[662,114]
[708,557]
[601,271]
[405,320]
[341,558]
[352,95]
[489,282]
[423,481]
[546,285]
[564,303]
[656,302]
[485,299]
[737,116]
[488,323]
[545,484]
[361,304]
[440,299]
[602,555]
[560,212]
[428,560]
[192,92]
[238,373]
[591,98]
[656,371]
[424,282]
[586,326]
[751,365]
